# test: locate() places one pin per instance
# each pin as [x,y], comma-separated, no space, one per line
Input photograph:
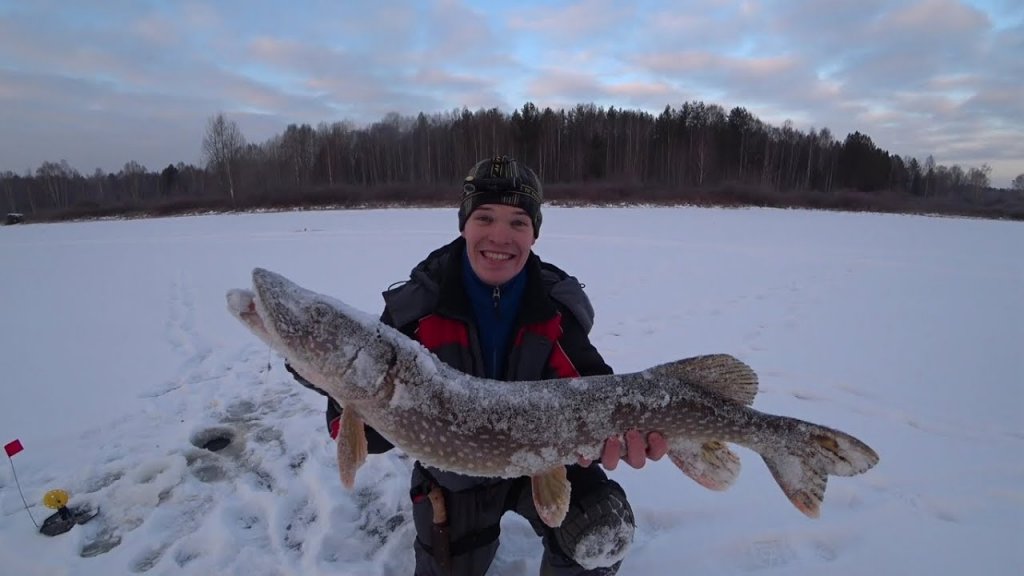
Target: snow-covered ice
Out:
[121,362]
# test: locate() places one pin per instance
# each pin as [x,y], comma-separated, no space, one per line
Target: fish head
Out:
[336,347]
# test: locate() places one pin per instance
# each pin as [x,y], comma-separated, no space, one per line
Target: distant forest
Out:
[694,154]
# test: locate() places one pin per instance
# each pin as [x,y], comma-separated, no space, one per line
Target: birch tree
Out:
[222,149]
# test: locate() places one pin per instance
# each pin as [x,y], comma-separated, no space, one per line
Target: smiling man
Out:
[498,242]
[499,218]
[488,306]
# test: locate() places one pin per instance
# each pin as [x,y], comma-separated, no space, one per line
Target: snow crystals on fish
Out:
[423,406]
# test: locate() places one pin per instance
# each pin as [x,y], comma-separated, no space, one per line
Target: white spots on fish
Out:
[529,426]
[579,384]
[663,401]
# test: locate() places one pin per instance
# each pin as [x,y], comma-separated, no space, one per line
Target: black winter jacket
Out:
[554,319]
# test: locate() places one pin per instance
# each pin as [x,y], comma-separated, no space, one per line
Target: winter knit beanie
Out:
[501,180]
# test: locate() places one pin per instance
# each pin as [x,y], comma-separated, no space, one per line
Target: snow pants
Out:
[474,516]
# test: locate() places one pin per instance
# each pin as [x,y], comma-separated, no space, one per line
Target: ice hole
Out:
[213,439]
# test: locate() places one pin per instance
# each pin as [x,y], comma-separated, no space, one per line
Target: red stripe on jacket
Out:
[551,329]
[436,332]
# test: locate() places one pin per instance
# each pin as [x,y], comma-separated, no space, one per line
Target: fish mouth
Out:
[250,306]
[262,280]
[243,305]
[276,299]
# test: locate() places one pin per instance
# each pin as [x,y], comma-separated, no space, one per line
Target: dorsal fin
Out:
[721,374]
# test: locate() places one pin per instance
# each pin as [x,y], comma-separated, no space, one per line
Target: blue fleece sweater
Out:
[494,309]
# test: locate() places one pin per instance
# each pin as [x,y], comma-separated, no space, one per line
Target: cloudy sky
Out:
[99,83]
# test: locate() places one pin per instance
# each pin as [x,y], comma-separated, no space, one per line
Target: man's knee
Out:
[598,528]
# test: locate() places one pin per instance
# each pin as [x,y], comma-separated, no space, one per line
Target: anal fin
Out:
[351,447]
[551,495]
[711,464]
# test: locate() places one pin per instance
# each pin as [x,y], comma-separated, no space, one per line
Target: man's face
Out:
[498,239]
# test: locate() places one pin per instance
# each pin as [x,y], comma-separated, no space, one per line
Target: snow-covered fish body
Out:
[453,421]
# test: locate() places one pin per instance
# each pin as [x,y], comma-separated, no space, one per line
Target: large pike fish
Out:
[453,421]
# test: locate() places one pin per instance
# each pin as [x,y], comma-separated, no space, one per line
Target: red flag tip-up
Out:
[13,448]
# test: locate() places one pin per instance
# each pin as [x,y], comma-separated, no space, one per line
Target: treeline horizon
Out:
[694,154]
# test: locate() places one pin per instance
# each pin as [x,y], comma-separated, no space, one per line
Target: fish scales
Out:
[530,424]
[457,422]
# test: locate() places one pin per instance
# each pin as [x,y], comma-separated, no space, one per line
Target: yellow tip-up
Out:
[55,499]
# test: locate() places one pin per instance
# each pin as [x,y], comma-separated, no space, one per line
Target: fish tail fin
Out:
[711,464]
[802,468]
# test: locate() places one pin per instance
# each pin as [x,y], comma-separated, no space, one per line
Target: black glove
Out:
[298,377]
[376,443]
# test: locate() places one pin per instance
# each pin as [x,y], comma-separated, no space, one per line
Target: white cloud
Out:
[940,77]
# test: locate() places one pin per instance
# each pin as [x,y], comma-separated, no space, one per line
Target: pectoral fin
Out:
[711,464]
[351,446]
[551,495]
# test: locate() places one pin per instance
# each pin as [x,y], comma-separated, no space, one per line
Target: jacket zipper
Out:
[496,297]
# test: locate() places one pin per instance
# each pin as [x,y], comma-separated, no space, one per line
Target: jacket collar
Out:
[453,301]
[435,286]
